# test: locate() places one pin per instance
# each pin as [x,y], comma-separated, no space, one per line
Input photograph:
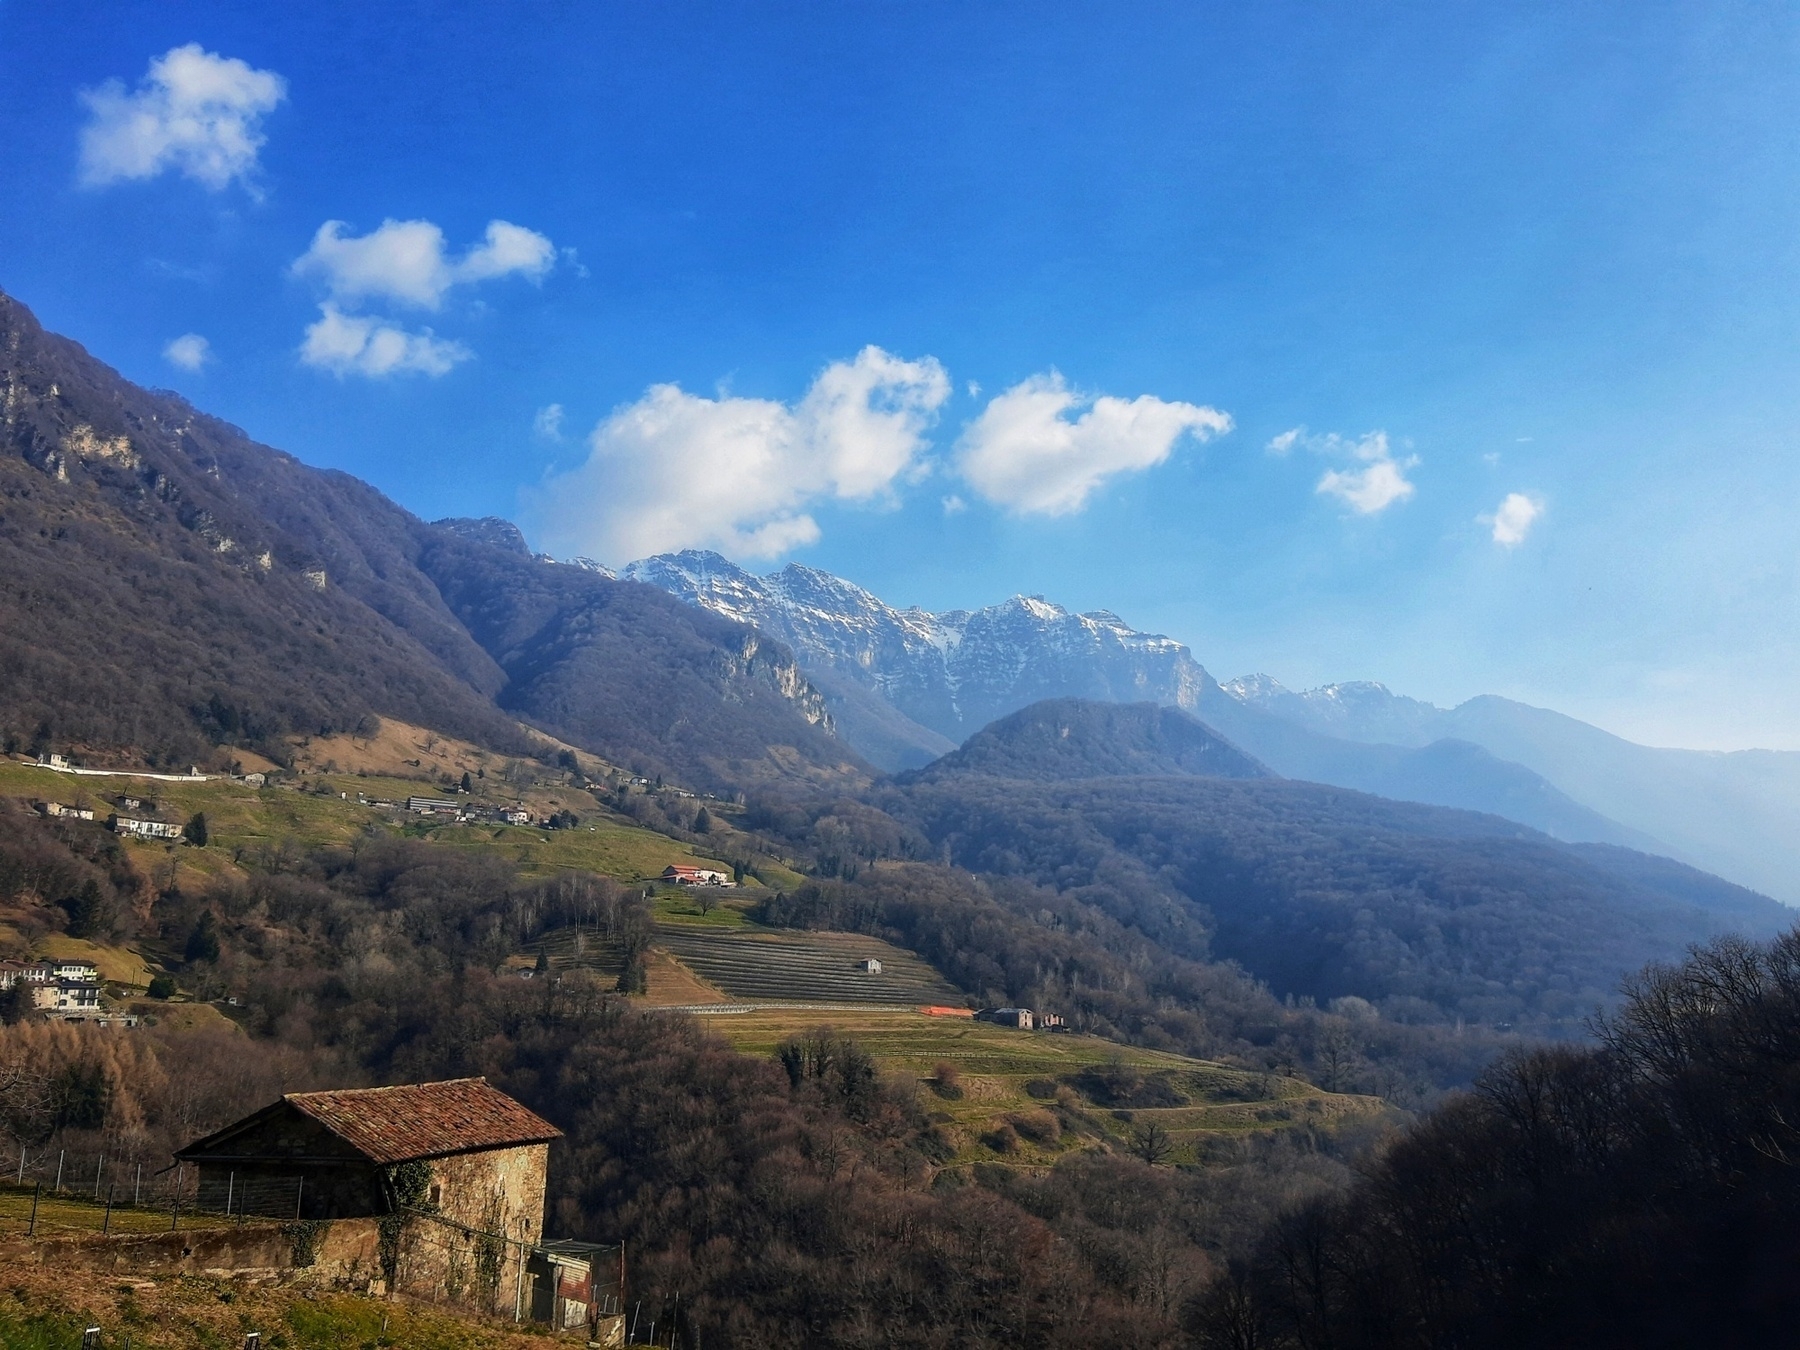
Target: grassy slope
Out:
[44,1309]
[996,1063]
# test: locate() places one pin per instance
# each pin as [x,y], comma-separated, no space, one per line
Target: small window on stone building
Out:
[437,1193]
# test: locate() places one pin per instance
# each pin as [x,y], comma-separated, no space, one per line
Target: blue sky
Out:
[965,300]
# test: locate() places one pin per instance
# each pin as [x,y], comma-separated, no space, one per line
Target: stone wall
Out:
[342,1253]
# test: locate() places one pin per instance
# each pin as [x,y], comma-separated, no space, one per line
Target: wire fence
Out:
[53,1191]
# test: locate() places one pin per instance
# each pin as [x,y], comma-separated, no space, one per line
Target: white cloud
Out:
[194,111]
[190,351]
[1369,490]
[1026,453]
[1513,518]
[548,422]
[954,505]
[406,261]
[356,344]
[674,470]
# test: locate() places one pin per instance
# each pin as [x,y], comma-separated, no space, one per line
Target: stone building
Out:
[456,1169]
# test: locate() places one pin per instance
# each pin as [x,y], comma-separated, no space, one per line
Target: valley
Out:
[366,800]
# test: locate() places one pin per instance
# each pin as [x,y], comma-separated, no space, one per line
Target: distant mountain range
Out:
[904,686]
[1736,813]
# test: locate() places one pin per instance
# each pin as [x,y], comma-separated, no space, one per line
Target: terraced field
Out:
[1056,1086]
[805,967]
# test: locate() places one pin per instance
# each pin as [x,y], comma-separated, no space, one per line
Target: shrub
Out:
[1040,1127]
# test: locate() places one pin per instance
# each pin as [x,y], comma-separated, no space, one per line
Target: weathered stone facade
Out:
[452,1175]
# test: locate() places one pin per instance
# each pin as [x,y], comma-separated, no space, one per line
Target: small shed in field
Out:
[461,1149]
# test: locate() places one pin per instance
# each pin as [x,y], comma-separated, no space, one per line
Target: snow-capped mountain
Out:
[1358,710]
[951,673]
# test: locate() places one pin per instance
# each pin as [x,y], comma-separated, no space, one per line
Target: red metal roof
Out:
[425,1120]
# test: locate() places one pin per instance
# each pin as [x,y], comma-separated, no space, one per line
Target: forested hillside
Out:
[1320,892]
[1637,1193]
[1073,738]
[167,585]
[629,673]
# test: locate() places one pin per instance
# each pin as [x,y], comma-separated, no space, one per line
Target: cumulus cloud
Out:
[1031,454]
[190,351]
[1513,518]
[406,261]
[194,111]
[357,344]
[675,470]
[1368,490]
[548,422]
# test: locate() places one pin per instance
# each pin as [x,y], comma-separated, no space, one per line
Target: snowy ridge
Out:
[953,672]
[1358,710]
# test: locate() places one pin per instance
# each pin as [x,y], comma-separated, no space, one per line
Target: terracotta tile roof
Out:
[424,1120]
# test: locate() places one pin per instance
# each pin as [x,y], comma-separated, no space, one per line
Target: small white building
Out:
[870,964]
[139,828]
[57,811]
[1008,1017]
[695,876]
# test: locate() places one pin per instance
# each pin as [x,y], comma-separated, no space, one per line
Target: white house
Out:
[145,829]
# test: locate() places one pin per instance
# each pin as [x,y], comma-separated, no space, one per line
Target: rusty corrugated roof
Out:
[425,1120]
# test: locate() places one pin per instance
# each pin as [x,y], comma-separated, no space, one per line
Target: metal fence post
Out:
[175,1208]
[106,1224]
[137,1187]
[36,1191]
[21,1164]
[299,1190]
[99,1168]
[230,1192]
[60,1155]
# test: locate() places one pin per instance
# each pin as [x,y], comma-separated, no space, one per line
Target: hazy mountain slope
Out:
[1070,738]
[637,676]
[1443,773]
[1737,813]
[166,583]
[1323,891]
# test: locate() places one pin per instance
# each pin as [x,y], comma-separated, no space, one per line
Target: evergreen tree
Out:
[195,830]
[203,942]
[89,910]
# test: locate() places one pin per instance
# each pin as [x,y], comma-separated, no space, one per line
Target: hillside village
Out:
[999,1090]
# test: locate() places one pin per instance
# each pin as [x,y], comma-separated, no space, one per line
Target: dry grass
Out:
[42,1309]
